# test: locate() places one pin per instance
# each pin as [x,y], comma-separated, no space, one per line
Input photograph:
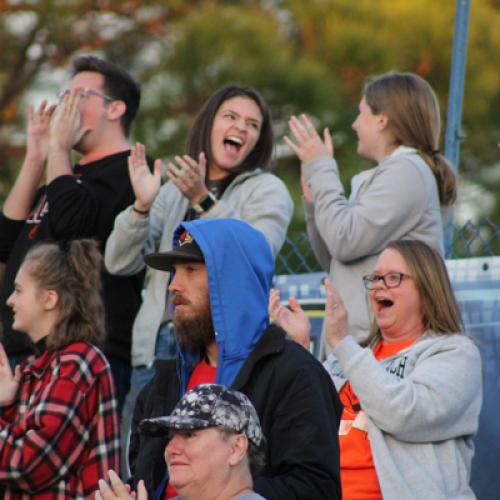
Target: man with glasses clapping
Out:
[94,115]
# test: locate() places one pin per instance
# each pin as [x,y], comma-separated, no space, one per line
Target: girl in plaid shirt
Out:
[58,418]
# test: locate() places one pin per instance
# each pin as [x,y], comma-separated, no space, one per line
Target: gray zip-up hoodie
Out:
[422,406]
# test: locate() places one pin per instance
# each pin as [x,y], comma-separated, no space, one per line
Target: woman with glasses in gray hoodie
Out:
[412,395]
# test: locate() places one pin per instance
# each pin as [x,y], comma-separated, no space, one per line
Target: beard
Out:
[195,334]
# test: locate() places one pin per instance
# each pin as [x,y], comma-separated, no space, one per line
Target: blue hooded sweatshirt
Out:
[240,268]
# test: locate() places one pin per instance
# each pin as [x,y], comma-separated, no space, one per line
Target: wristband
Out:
[140,212]
[205,204]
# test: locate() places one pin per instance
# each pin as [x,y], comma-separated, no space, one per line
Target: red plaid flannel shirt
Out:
[61,435]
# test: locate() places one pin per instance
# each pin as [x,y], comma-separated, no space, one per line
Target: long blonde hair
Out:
[73,270]
[412,109]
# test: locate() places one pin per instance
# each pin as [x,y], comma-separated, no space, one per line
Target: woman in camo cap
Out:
[216,445]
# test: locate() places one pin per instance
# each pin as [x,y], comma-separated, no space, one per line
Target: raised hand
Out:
[19,202]
[189,176]
[9,383]
[65,130]
[117,490]
[335,316]
[144,183]
[293,320]
[38,132]
[308,144]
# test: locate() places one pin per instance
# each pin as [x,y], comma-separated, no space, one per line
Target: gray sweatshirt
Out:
[257,197]
[398,199]
[422,407]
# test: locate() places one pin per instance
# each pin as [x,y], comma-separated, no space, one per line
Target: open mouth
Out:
[233,143]
[384,303]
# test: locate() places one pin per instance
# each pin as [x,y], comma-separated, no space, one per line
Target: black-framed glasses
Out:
[86,92]
[391,280]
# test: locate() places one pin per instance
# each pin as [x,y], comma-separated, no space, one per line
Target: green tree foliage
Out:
[39,37]
[218,44]
[311,56]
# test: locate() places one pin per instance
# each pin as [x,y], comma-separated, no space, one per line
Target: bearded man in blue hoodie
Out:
[223,272]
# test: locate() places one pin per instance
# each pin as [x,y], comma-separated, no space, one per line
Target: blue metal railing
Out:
[455,98]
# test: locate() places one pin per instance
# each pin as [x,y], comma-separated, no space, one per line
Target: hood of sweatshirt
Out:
[240,268]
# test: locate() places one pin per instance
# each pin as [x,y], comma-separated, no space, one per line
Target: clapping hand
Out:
[335,316]
[189,176]
[117,490]
[9,383]
[144,183]
[38,132]
[308,144]
[293,320]
[66,130]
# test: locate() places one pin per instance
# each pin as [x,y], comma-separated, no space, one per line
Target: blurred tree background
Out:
[304,55]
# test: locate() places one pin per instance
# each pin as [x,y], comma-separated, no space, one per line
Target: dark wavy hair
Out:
[118,84]
[73,270]
[199,135]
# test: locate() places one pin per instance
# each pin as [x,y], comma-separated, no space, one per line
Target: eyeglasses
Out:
[391,280]
[85,94]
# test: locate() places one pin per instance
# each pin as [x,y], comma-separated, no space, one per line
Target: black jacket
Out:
[83,205]
[299,411]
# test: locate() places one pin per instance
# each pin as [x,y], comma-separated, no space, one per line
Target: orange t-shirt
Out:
[357,470]
[203,373]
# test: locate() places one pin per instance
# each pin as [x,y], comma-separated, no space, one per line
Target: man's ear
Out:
[50,299]
[116,109]
[239,448]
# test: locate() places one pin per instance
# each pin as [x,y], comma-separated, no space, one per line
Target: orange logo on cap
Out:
[185,238]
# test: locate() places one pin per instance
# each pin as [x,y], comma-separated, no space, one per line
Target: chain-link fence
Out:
[470,240]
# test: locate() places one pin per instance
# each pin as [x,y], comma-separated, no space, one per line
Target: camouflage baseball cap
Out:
[209,405]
